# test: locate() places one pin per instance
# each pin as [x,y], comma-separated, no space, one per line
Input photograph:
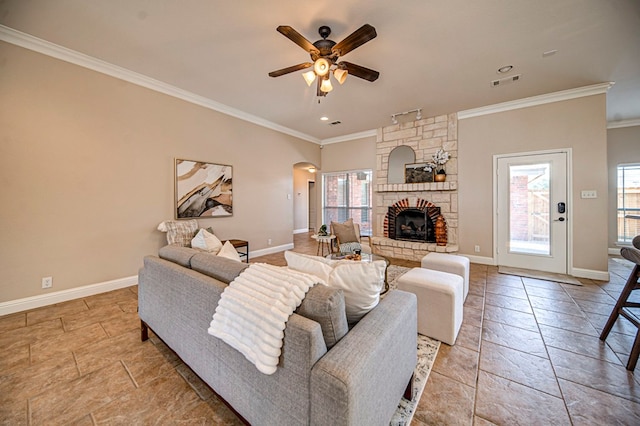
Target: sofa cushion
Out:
[177,254]
[325,305]
[181,232]
[217,267]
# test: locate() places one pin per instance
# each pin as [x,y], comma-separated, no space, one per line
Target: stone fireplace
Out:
[417,215]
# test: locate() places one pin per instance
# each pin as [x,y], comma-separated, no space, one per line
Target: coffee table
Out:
[365,257]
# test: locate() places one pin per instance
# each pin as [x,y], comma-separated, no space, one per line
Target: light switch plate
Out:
[590,193]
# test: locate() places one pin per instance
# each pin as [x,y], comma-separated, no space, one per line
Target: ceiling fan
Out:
[325,53]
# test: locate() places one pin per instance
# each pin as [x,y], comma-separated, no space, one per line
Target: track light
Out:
[418,111]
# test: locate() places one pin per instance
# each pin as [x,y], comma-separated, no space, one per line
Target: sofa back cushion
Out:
[177,254]
[325,305]
[322,304]
[217,267]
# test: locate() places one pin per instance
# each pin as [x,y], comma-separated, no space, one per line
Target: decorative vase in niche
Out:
[441,231]
[439,177]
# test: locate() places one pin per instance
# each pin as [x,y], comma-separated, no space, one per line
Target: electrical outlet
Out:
[47,282]
[269,241]
[477,249]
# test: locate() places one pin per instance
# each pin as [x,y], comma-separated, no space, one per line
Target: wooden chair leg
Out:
[635,352]
[624,295]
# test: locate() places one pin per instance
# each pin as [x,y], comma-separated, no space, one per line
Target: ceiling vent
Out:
[506,80]
[335,123]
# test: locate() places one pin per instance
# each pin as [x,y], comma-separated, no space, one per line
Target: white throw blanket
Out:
[254,309]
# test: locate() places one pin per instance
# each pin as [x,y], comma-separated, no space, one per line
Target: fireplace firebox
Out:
[412,223]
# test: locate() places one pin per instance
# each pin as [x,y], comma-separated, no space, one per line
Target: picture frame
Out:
[416,173]
[203,189]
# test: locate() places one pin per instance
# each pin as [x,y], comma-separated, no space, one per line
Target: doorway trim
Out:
[568,152]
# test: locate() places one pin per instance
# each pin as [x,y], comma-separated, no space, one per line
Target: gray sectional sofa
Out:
[327,374]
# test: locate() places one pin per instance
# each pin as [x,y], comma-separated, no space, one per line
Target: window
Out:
[345,195]
[628,202]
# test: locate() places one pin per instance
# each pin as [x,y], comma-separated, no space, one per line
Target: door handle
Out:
[560,219]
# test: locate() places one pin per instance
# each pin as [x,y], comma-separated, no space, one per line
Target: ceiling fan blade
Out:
[293,68]
[297,38]
[359,37]
[360,71]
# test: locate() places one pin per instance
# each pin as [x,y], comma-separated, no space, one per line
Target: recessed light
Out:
[324,118]
[549,53]
[505,69]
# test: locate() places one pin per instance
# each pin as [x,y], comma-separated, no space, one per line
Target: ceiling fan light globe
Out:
[321,67]
[309,77]
[326,85]
[340,75]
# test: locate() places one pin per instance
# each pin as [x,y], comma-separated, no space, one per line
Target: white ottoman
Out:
[439,302]
[451,263]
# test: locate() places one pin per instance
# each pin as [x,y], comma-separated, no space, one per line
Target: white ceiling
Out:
[438,55]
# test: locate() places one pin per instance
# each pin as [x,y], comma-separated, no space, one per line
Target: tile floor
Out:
[528,353]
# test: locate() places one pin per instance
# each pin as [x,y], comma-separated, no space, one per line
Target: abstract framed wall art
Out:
[203,189]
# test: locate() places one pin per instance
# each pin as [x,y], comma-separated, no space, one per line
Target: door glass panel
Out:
[529,215]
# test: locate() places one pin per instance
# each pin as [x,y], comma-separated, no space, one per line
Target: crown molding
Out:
[563,95]
[623,123]
[351,137]
[53,50]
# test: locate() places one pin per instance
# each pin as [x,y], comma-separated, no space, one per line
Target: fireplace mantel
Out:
[417,187]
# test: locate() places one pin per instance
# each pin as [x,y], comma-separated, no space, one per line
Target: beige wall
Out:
[357,154]
[623,147]
[86,172]
[579,124]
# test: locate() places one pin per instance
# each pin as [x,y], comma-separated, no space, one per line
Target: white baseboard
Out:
[591,274]
[270,250]
[301,231]
[39,301]
[481,260]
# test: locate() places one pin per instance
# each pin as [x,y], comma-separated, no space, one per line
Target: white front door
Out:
[532,211]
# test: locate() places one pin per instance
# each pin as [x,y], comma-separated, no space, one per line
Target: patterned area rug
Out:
[427,351]
[549,276]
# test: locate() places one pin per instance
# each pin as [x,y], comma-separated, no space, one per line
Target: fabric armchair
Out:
[349,238]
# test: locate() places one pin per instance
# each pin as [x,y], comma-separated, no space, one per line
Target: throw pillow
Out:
[350,247]
[345,232]
[313,265]
[361,283]
[206,241]
[181,232]
[229,251]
